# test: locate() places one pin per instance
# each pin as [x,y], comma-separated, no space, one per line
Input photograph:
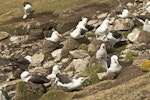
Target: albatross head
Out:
[114,59]
[29,58]
[25,75]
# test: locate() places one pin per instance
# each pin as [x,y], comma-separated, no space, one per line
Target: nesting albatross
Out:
[55,37]
[37,79]
[123,14]
[74,84]
[115,67]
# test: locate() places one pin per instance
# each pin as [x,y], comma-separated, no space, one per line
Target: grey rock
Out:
[134,35]
[3,35]
[79,54]
[37,59]
[123,24]
[103,15]
[18,39]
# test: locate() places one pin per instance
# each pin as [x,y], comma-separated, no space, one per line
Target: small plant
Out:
[91,72]
[83,47]
[131,56]
[21,87]
[90,34]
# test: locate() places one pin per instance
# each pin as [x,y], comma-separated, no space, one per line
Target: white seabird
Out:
[74,84]
[145,21]
[101,54]
[113,38]
[37,79]
[77,33]
[148,6]
[27,9]
[115,67]
[4,95]
[55,37]
[82,24]
[102,30]
[123,14]
[55,70]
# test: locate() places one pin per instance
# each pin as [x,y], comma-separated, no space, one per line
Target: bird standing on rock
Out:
[102,30]
[101,54]
[27,7]
[123,14]
[55,37]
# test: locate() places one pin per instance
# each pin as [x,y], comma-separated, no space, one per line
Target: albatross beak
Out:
[86,78]
[59,35]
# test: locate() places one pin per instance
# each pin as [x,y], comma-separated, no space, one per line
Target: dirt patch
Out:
[127,74]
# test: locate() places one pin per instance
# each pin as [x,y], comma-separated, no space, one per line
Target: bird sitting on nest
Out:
[115,67]
[19,65]
[37,78]
[82,24]
[55,37]
[113,37]
[123,14]
[55,70]
[77,33]
[73,84]
[27,9]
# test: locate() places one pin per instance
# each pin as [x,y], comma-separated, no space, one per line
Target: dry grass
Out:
[13,8]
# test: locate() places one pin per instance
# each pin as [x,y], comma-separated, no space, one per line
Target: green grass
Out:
[131,56]
[91,72]
[21,87]
[83,47]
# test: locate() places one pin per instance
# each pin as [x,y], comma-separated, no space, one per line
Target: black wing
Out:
[63,78]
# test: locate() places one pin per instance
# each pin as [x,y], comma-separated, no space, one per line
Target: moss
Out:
[21,87]
[83,47]
[90,34]
[56,95]
[91,72]
[116,50]
[131,56]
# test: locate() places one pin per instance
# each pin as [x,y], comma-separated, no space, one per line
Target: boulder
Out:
[78,64]
[72,44]
[18,39]
[143,38]
[134,35]
[94,46]
[3,35]
[103,15]
[37,59]
[123,24]
[35,34]
[27,91]
[49,46]
[79,54]
[145,66]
